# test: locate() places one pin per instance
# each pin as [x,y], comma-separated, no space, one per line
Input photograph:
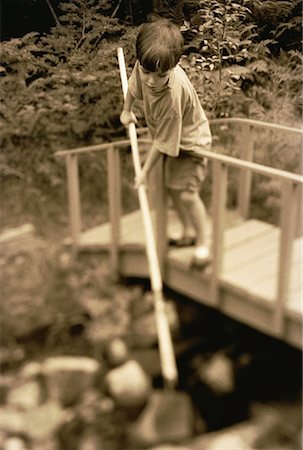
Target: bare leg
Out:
[182,213]
[195,211]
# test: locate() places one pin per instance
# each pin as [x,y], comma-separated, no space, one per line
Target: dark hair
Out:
[159,45]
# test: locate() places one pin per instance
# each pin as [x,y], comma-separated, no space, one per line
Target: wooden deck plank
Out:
[244,232]
[254,248]
[260,270]
[258,277]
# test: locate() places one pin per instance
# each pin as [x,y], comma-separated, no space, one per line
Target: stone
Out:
[42,423]
[142,305]
[10,356]
[67,377]
[22,231]
[6,383]
[167,418]
[28,271]
[149,360]
[30,371]
[229,441]
[90,441]
[128,385]
[25,396]
[11,421]
[116,352]
[144,328]
[218,373]
[14,443]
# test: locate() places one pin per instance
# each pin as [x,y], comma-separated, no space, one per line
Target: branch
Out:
[53,13]
[116,9]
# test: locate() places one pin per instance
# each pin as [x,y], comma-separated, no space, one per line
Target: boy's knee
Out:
[188,197]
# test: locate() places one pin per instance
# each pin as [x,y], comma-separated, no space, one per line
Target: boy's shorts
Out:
[185,172]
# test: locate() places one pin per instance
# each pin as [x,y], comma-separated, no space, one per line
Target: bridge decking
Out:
[248,280]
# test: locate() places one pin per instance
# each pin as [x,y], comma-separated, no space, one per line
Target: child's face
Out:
[154,80]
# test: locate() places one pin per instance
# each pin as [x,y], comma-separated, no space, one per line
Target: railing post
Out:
[288,221]
[219,196]
[73,197]
[299,226]
[247,154]
[114,201]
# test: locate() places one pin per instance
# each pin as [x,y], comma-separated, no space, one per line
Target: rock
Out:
[28,269]
[67,378]
[42,423]
[144,328]
[22,231]
[11,421]
[116,352]
[30,371]
[231,441]
[10,356]
[106,405]
[128,385]
[142,305]
[149,360]
[237,437]
[14,443]
[278,424]
[170,447]
[167,418]
[90,441]
[25,396]
[218,373]
[6,383]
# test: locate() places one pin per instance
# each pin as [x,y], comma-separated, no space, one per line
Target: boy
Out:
[177,124]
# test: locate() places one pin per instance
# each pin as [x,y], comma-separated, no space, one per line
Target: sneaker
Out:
[201,258]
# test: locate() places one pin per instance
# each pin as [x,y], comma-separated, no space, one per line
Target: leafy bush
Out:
[68,95]
[280,22]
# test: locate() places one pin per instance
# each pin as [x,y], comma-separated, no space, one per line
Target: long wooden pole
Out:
[167,357]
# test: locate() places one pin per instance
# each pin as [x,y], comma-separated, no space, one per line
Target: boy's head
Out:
[159,46]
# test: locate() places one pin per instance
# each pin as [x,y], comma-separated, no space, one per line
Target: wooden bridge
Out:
[256,274]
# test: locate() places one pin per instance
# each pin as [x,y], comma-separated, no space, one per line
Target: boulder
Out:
[149,360]
[11,421]
[67,378]
[27,266]
[42,423]
[25,396]
[116,352]
[144,330]
[14,443]
[30,371]
[128,385]
[218,373]
[167,418]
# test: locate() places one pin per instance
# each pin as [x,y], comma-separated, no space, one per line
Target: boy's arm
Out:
[153,156]
[127,116]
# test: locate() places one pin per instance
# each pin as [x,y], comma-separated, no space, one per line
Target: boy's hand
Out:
[140,179]
[127,117]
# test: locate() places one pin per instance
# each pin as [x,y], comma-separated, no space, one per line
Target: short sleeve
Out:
[168,134]
[134,83]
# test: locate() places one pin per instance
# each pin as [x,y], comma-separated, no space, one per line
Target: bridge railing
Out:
[291,200]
